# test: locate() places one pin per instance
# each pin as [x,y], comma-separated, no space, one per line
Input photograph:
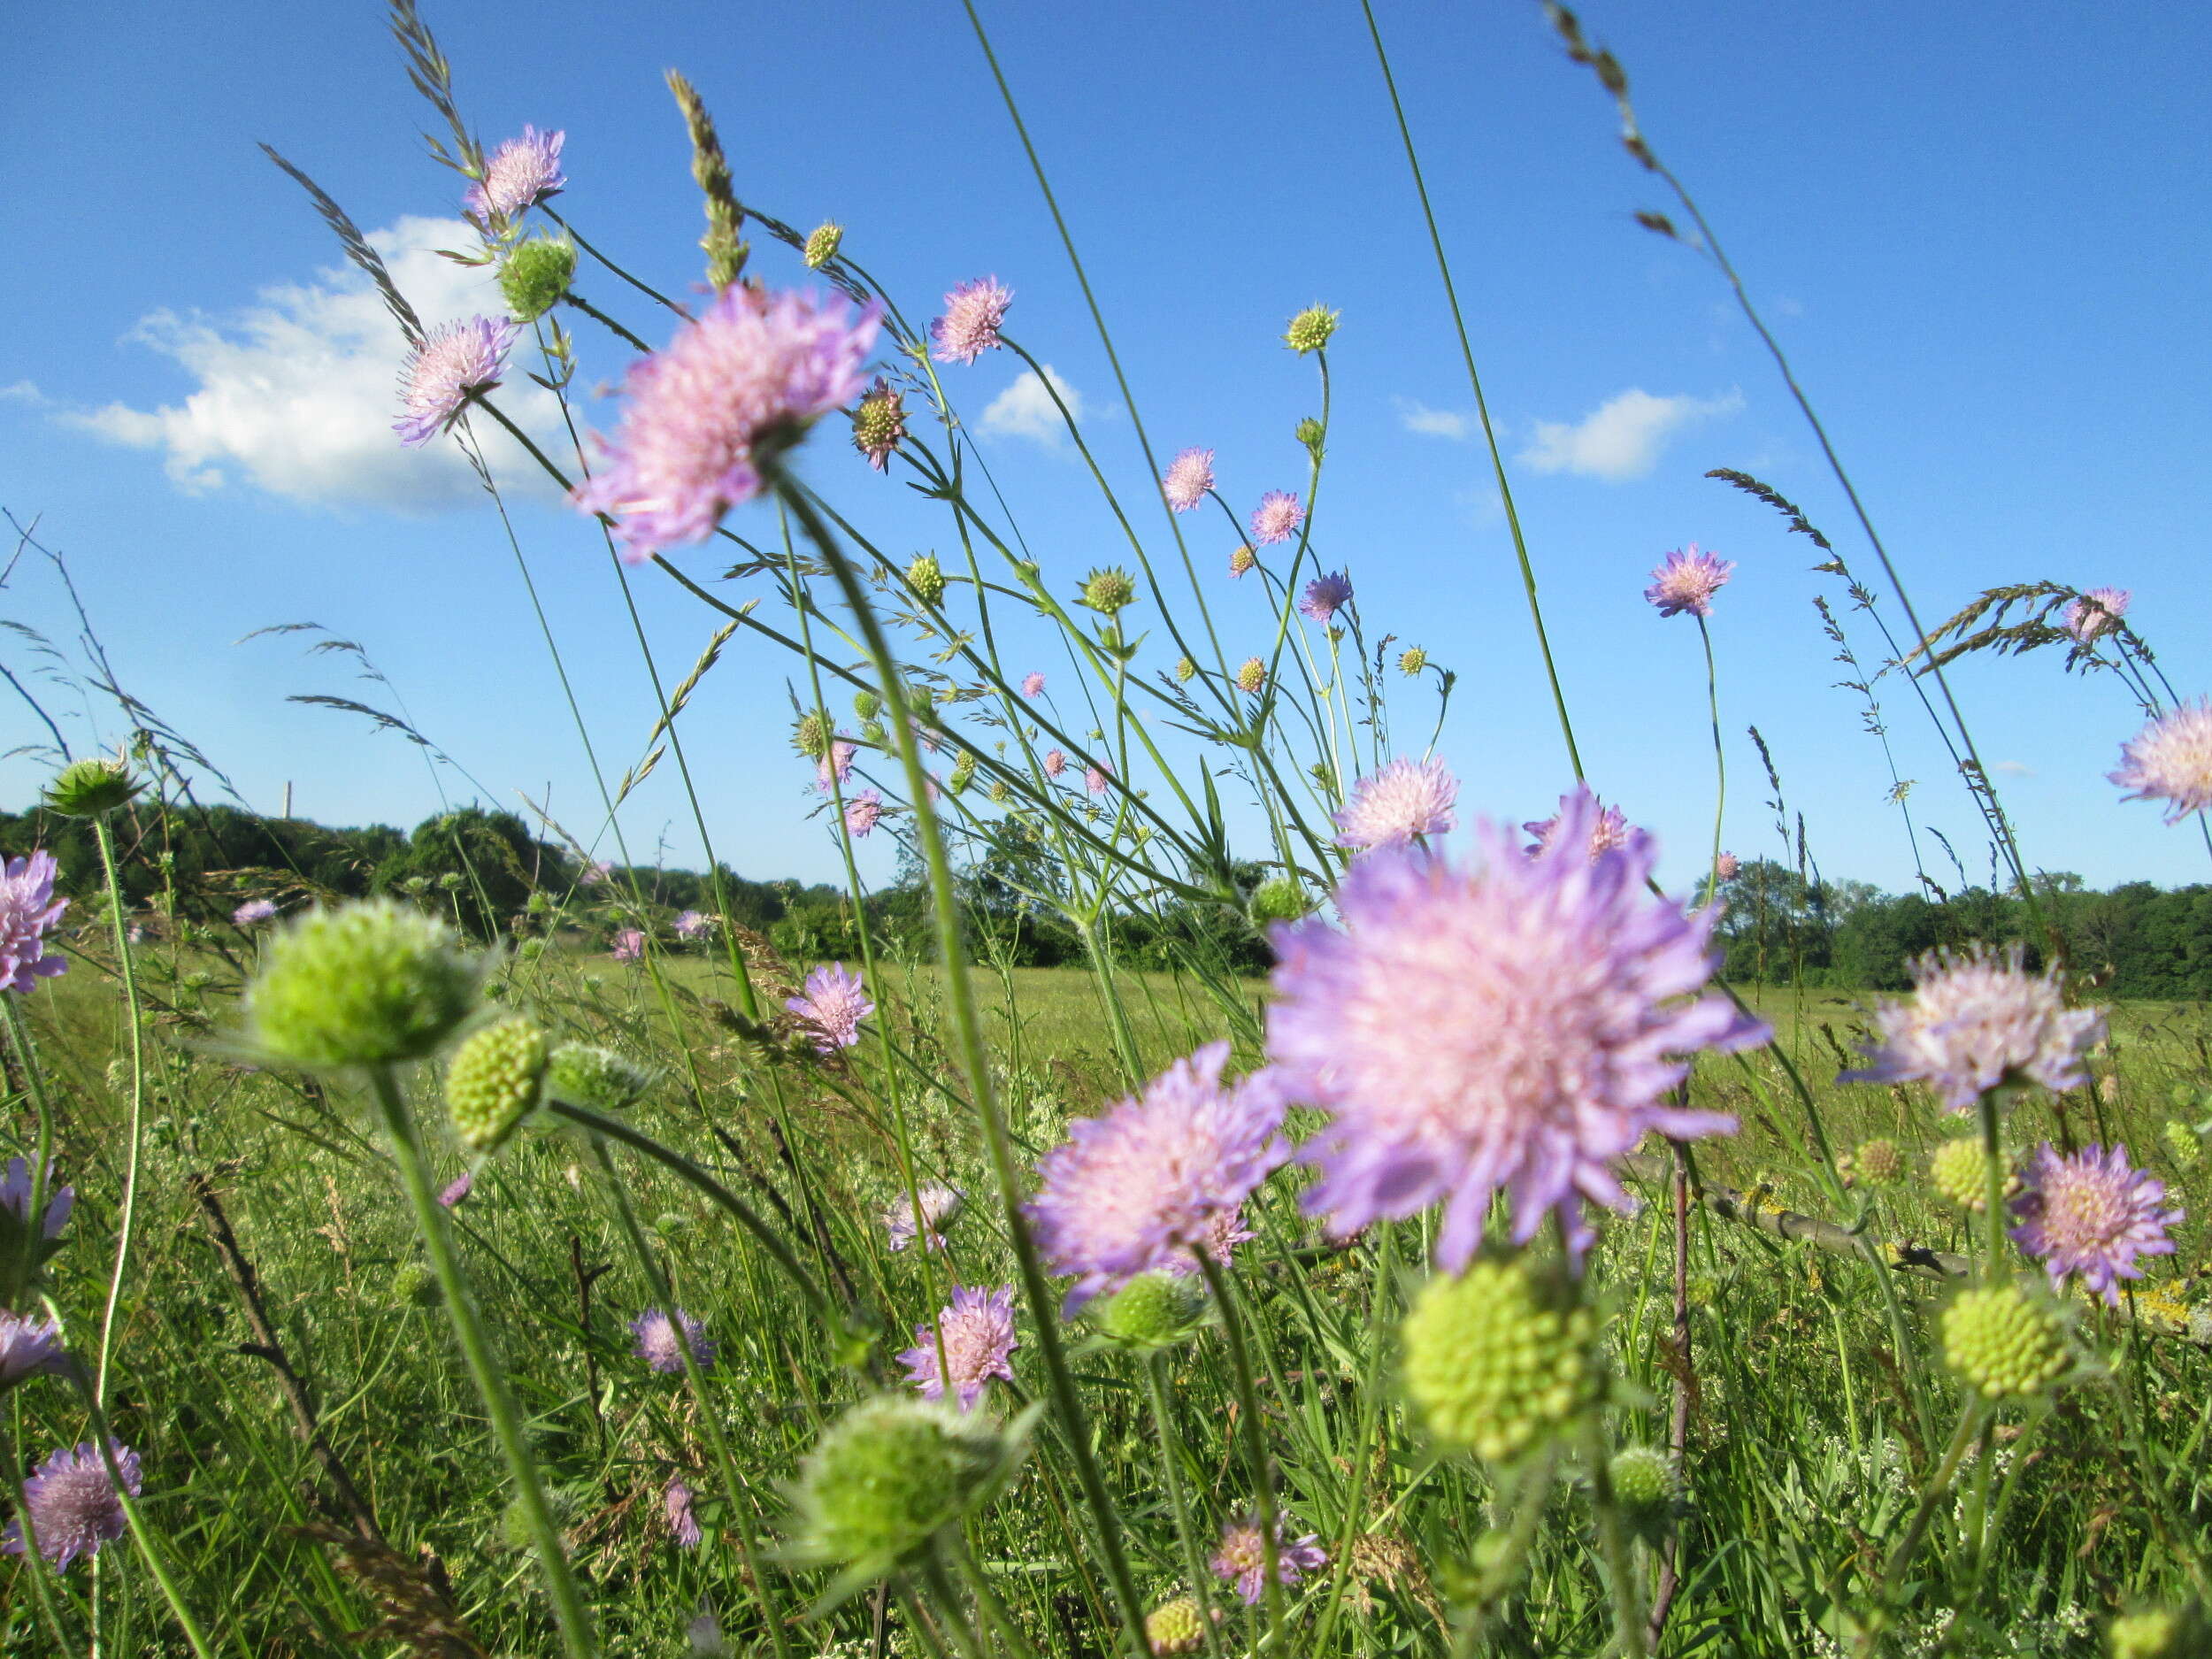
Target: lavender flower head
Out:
[974,312]
[2170,760]
[454,363]
[1687,581]
[1513,1029]
[28,911]
[1978,1019]
[458,1189]
[2092,1214]
[1325,595]
[1224,1233]
[629,945]
[863,812]
[1188,477]
[1394,803]
[27,1348]
[836,763]
[2098,610]
[1241,1557]
[692,923]
[1608,829]
[1095,777]
[519,174]
[15,1198]
[1276,518]
[595,873]
[1055,763]
[707,414]
[658,1343]
[1726,866]
[834,1003]
[978,1333]
[74,1506]
[939,1203]
[682,1523]
[253,910]
[1032,684]
[1130,1191]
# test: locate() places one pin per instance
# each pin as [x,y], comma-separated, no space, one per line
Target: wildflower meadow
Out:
[1227,1181]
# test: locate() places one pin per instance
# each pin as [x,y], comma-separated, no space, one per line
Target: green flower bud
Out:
[872,730]
[866,704]
[1184,669]
[2003,1343]
[887,1476]
[414,1282]
[2184,1142]
[1310,329]
[1643,1483]
[1110,591]
[822,243]
[880,423]
[1000,793]
[2182,1632]
[493,1082]
[1958,1171]
[811,736]
[91,789]
[536,276]
[1152,1311]
[927,577]
[1308,434]
[530,949]
[597,1078]
[1175,1627]
[1279,899]
[538,903]
[1251,674]
[962,775]
[366,984]
[1497,1362]
[1412,660]
[1880,1163]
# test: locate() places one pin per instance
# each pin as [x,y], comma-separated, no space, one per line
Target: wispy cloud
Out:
[1026,409]
[1622,438]
[24,392]
[2013,768]
[295,394]
[1416,416]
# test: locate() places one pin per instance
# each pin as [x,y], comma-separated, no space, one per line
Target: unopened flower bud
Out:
[1175,1627]
[1959,1170]
[1242,560]
[597,1078]
[1308,434]
[811,736]
[1251,674]
[1184,669]
[1497,1362]
[887,1476]
[1279,899]
[1412,660]
[1310,329]
[536,275]
[493,1080]
[91,789]
[2003,1343]
[866,704]
[1152,1311]
[1880,1163]
[822,243]
[366,984]
[927,577]
[963,774]
[1643,1483]
[1110,591]
[2182,1632]
[880,423]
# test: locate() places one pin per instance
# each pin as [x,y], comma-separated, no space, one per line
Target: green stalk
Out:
[1720,759]
[1255,1440]
[141,1534]
[1154,1368]
[127,1226]
[1620,1567]
[1940,1483]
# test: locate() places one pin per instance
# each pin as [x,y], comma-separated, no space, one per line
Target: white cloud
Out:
[1622,438]
[1415,416]
[2014,769]
[296,394]
[23,392]
[1026,409]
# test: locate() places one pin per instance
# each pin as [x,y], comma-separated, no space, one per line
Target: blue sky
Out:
[1968,224]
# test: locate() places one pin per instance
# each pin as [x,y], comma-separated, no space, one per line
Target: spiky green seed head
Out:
[880,424]
[366,984]
[927,577]
[91,789]
[1308,434]
[1175,1627]
[1251,674]
[1153,1310]
[1242,560]
[1279,899]
[813,734]
[1497,1362]
[1310,329]
[2182,1632]
[1000,794]
[1644,1485]
[597,1078]
[1110,591]
[887,1476]
[493,1080]
[866,705]
[822,243]
[536,275]
[873,732]
[2185,1143]
[1185,670]
[1956,1170]
[1880,1163]
[530,949]
[1412,660]
[2004,1343]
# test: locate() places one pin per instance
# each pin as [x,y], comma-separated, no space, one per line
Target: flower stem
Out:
[127,1226]
[1155,1366]
[1255,1440]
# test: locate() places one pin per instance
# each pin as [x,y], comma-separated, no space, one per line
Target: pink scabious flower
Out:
[1128,1192]
[978,1333]
[683,1523]
[595,873]
[15,1198]
[1095,777]
[1394,803]
[1189,476]
[705,416]
[1224,1233]
[1726,866]
[973,314]
[2092,1214]
[454,363]
[660,1340]
[939,1203]
[458,1189]
[629,945]
[1513,1029]
[1241,560]
[253,910]
[863,812]
[1032,685]
[74,1506]
[692,923]
[836,762]
[1276,518]
[834,1003]
[1325,595]
[2098,610]
[28,911]
[27,1348]
[1608,829]
[1687,581]
[1978,1020]
[2170,760]
[1241,1557]
[1055,763]
[519,174]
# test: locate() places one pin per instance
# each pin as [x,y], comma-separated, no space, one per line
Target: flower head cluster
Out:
[92,788]
[683,1521]
[2003,1343]
[1513,1029]
[880,423]
[27,1348]
[1252,675]
[939,1203]
[887,1476]
[661,1341]
[975,313]
[1325,595]
[1687,581]
[1276,518]
[1175,1627]
[832,1003]
[1609,830]
[1130,1190]
[977,1331]
[1498,1362]
[836,763]
[72,1502]
[692,923]
[254,910]
[1394,803]
[2096,612]
[1959,1170]
[1241,558]
[629,945]
[1726,865]
[708,414]
[1310,329]
[28,911]
[495,1081]
[822,243]
[454,363]
[1412,660]
[364,984]
[2170,760]
[1056,762]
[1094,777]
[519,174]
[1241,1558]
[1978,1020]
[1189,476]
[2092,1214]
[455,1192]
[1032,684]
[863,812]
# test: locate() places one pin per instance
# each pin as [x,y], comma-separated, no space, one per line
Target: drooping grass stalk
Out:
[127,1226]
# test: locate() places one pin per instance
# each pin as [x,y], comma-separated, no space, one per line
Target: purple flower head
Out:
[727,395]
[657,1342]
[1687,581]
[939,1203]
[1276,518]
[1325,595]
[1241,1557]
[28,911]
[15,1198]
[863,812]
[1032,685]
[681,1522]
[629,945]
[595,873]
[253,910]
[2170,760]
[2092,1214]
[692,923]
[978,1333]
[458,1188]
[836,762]
[1609,830]
[1130,1191]
[1055,763]
[1224,1233]
[880,423]
[1188,477]
[1512,1030]
[2096,612]
[27,1348]
[518,175]
[1241,558]
[1394,803]
[834,1003]
[1726,866]
[1095,777]
[973,314]
[74,1506]
[454,363]
[1978,1019]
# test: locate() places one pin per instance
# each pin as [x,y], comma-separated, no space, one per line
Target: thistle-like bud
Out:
[1880,1163]
[92,788]
[1308,432]
[1110,591]
[1643,1482]
[1153,1310]
[1175,1627]
[873,732]
[536,276]
[1412,660]
[813,734]
[493,1080]
[822,243]
[2003,1343]
[1310,329]
[1497,1362]
[866,703]
[887,1476]
[597,1078]
[1251,674]
[2182,1632]
[1279,899]
[366,984]
[1958,1171]
[1184,669]
[880,423]
[927,577]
